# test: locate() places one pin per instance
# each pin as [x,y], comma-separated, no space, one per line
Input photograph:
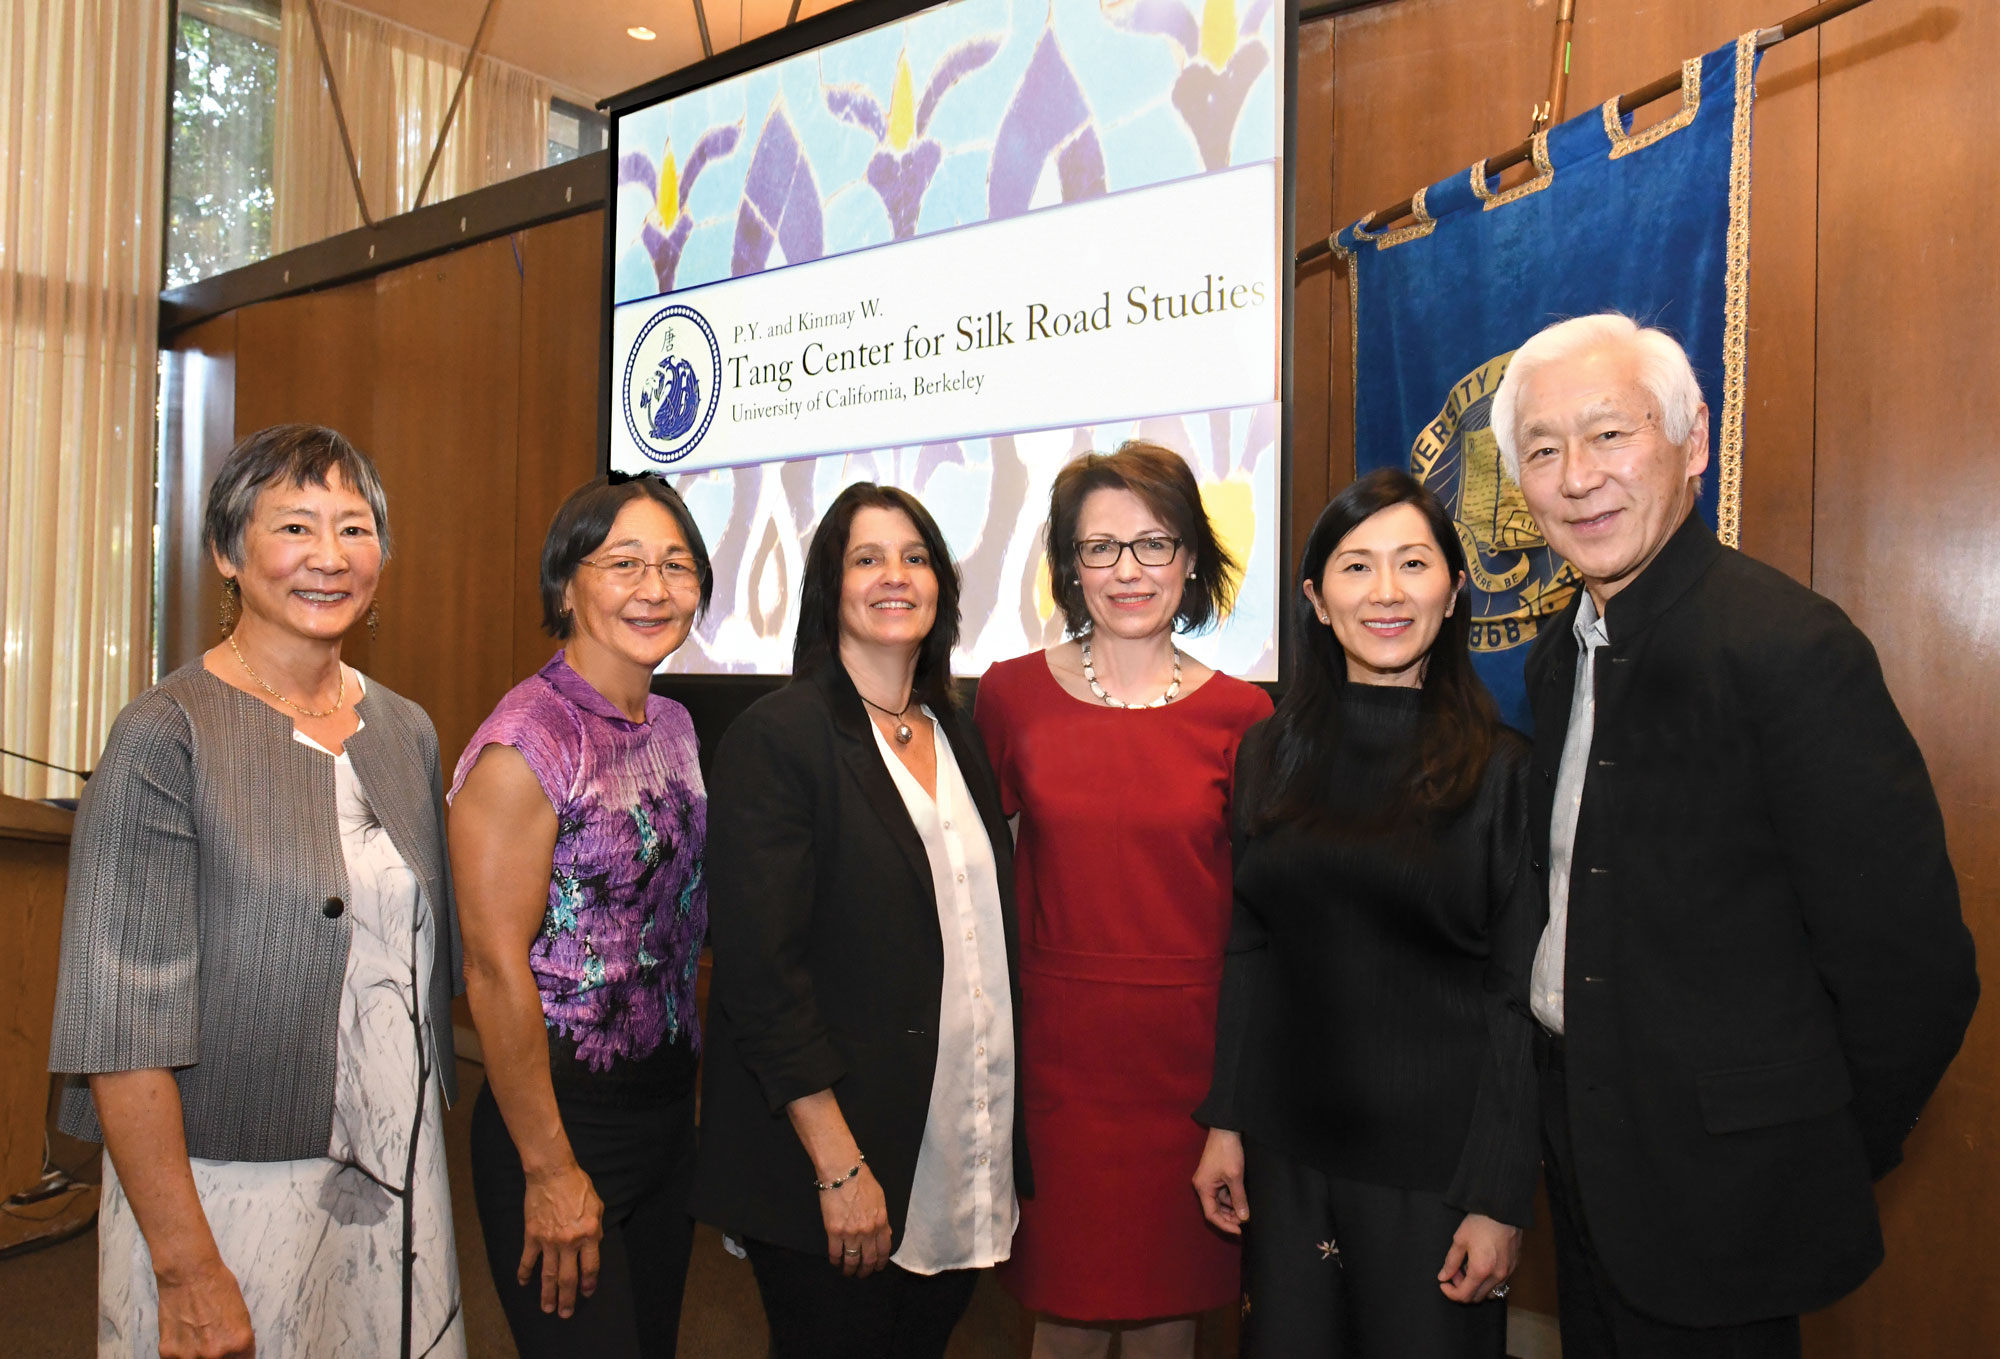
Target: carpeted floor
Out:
[48,1299]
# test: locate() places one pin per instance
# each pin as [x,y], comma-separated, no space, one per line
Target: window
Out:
[575,131]
[225,99]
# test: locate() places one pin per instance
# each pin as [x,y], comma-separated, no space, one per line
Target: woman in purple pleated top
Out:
[578,825]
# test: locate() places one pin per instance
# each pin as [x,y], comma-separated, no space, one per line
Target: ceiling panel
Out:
[581,45]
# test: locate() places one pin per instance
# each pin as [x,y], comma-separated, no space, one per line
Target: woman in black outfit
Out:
[1374,1093]
[860,1134]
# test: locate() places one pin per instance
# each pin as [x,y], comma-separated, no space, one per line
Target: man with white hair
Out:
[1754,970]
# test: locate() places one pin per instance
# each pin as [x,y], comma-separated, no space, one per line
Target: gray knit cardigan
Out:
[205,928]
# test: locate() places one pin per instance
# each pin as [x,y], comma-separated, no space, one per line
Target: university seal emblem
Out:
[1515,579]
[672,383]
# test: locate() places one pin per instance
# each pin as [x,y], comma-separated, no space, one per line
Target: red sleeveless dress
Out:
[1122,878]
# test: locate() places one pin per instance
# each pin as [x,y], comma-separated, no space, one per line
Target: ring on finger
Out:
[1499,1292]
[850,1251]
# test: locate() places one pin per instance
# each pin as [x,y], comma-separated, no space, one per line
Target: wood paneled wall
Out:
[1906,504]
[34,864]
[1872,461]
[1872,468]
[471,379]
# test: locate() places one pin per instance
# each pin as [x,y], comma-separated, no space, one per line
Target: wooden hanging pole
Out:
[339,114]
[1804,21]
[701,22]
[1551,111]
[451,112]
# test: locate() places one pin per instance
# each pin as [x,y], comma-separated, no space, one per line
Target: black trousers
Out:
[1596,1322]
[641,1162]
[817,1312]
[1337,1268]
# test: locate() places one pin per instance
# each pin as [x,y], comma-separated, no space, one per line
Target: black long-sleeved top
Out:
[1374,1020]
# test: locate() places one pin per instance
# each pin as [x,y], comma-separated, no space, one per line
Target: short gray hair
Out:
[1664,371]
[290,455]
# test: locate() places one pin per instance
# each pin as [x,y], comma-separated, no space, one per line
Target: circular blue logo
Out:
[672,383]
[1517,582]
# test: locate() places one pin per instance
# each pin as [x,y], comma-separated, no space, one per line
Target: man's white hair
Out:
[1664,372]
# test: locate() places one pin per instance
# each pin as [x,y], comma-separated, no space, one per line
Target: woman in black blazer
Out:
[860,1135]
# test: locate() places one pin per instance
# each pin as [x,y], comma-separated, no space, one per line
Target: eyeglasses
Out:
[1105,552]
[679,573]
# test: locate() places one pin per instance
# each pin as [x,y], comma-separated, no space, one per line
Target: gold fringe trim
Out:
[1545,175]
[1416,231]
[1623,144]
[1736,303]
[1349,261]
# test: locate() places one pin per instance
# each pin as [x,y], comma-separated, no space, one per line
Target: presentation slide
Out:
[950,253]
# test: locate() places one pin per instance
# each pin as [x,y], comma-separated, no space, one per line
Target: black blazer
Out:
[1767,972]
[829,965]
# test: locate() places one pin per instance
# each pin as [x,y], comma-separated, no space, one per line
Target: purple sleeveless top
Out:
[627,909]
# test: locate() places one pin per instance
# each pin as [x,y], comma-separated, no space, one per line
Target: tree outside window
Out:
[225,100]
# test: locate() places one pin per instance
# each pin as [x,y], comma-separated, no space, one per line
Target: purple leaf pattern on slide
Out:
[636,167]
[1217,66]
[1163,18]
[900,180]
[1047,116]
[1209,101]
[664,243]
[906,159]
[855,104]
[780,202]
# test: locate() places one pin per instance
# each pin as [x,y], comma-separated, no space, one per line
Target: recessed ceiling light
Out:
[641,32]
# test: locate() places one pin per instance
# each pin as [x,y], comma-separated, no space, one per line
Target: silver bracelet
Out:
[836,1182]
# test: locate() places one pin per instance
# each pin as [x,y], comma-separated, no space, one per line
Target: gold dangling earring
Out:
[374,622]
[232,605]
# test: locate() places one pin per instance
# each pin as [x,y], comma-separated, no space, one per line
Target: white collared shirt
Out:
[962,1205]
[1546,986]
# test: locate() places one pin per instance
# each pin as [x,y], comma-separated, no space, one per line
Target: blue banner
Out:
[1655,224]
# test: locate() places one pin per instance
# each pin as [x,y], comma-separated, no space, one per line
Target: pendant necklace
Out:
[339,693]
[903,733]
[1173,689]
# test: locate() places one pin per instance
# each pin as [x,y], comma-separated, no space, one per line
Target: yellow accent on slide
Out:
[1218,32]
[902,107]
[668,205]
[1232,510]
[1045,599]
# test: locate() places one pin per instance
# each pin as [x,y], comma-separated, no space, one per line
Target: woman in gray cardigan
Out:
[259,955]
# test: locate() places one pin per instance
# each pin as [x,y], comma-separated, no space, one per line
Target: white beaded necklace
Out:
[1173,689]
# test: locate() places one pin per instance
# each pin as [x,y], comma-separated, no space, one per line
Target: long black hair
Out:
[818,638]
[1458,716]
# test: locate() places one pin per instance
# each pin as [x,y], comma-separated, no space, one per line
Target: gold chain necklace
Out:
[339,692]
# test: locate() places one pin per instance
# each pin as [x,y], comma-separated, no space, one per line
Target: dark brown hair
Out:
[1160,477]
[1460,720]
[581,526]
[818,638]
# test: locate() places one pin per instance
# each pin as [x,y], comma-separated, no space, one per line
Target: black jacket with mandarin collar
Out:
[829,963]
[1767,970]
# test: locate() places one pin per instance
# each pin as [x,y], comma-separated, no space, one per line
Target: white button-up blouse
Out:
[962,1205]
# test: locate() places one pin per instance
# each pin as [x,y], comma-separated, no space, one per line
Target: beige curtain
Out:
[83,93]
[395,85]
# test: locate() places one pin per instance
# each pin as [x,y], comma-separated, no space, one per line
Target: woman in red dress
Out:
[1116,752]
